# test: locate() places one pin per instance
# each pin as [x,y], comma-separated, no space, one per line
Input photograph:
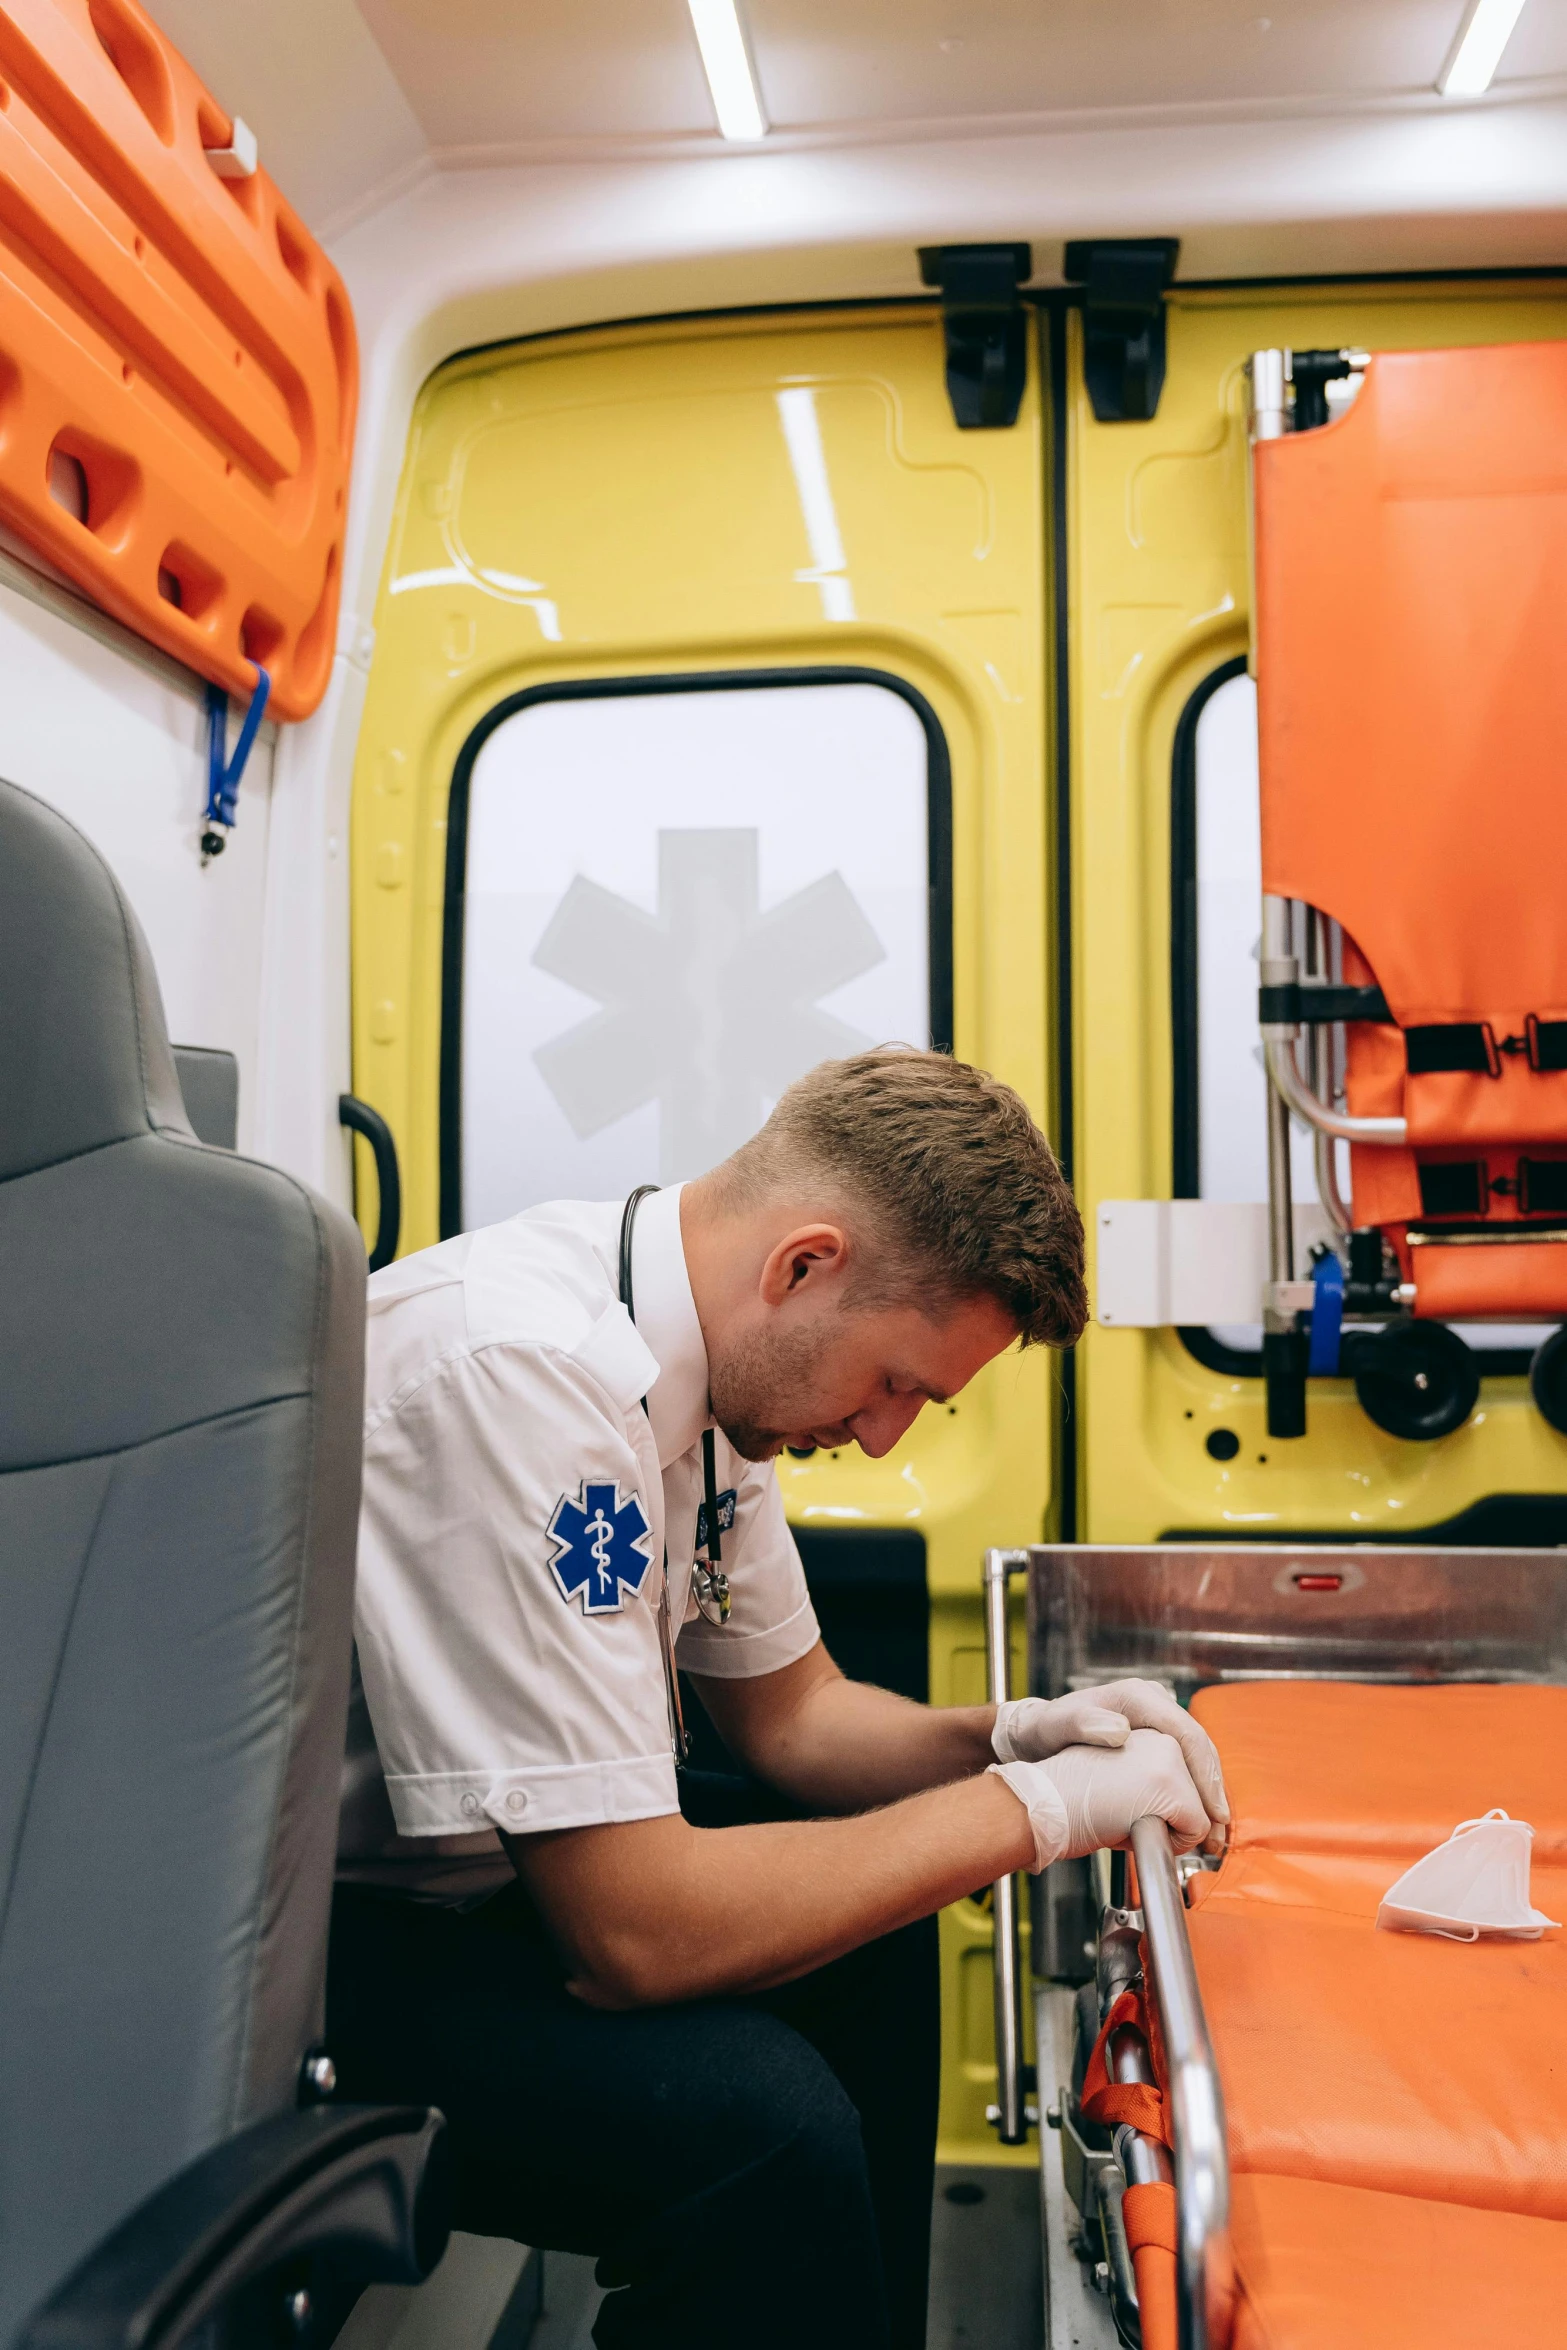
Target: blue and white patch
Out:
[603,1547]
[726,1517]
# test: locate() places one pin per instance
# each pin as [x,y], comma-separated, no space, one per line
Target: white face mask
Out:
[1476,1883]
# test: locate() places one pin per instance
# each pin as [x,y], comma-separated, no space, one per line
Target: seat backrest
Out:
[181,1387]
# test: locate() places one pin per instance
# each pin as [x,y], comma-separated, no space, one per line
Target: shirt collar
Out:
[677,1403]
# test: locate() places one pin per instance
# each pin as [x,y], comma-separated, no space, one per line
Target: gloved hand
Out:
[1087,1797]
[1031,1729]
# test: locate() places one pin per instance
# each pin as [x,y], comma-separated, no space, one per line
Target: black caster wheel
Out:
[1548,1380]
[1417,1380]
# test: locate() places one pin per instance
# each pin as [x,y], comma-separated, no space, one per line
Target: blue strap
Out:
[224,772]
[1327,1316]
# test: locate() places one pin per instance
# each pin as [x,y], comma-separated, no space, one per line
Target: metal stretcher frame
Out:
[1189,1614]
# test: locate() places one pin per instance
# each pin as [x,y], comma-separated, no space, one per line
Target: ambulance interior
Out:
[561,565]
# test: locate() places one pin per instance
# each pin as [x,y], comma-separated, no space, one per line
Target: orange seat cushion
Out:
[1340,1767]
[1325,2267]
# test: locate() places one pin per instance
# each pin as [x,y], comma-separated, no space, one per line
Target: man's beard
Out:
[761,1390]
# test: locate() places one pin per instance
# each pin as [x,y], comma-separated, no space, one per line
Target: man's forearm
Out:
[836,1745]
[850,1745]
[656,1910]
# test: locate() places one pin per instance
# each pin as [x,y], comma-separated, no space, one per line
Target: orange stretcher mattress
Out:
[1333,1766]
[1400,2062]
[1326,2267]
[1396,2103]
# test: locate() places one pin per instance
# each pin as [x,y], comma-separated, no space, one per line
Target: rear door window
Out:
[664,903]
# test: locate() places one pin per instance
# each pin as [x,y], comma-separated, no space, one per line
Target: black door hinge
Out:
[1124,281]
[986,328]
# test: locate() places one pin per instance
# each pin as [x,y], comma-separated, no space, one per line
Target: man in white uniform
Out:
[686,2022]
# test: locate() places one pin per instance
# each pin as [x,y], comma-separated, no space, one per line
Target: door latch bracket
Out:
[1124,281]
[986,328]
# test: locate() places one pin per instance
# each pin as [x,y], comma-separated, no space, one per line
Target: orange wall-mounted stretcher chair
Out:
[1411,582]
[1396,2103]
[178,370]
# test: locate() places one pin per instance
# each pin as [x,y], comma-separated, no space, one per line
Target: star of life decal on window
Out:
[603,1547]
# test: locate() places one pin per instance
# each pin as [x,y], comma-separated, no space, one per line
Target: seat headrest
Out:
[84,1053]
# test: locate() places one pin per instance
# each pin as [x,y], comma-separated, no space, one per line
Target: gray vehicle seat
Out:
[180,1399]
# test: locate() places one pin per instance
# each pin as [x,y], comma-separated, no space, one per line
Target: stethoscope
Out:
[708,1581]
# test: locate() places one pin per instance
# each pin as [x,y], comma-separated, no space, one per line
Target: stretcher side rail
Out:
[1204,2270]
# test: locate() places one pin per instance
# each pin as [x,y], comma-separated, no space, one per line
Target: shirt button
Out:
[517,1801]
[471,1805]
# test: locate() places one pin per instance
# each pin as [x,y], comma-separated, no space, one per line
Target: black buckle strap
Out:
[1313,1003]
[1452,1048]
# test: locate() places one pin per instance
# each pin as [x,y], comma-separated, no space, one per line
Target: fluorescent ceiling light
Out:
[727,64]
[1486,31]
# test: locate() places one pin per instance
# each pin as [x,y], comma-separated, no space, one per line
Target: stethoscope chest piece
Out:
[711,1586]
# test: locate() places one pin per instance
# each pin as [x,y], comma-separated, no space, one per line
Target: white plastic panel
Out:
[1185,1262]
[118,745]
[677,903]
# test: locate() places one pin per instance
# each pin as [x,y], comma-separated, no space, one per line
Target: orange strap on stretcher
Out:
[1110,2103]
[1148,2212]
[178,368]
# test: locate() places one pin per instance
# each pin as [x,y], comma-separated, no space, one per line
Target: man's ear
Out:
[813,1257]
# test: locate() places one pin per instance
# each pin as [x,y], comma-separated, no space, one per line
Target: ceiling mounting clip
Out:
[986,328]
[1124,282]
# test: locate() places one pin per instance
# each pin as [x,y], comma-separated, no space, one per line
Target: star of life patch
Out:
[603,1547]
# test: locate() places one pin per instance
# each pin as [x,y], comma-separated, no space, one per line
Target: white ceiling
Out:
[351,101]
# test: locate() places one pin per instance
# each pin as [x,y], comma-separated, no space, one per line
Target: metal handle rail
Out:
[359,1118]
[1204,2277]
[1009,2113]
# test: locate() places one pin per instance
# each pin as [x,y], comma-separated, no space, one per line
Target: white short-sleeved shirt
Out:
[518,1505]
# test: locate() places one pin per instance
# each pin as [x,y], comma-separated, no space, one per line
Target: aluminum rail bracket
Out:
[1010,2114]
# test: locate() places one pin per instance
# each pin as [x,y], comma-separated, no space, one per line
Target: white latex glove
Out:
[1087,1797]
[1031,1729]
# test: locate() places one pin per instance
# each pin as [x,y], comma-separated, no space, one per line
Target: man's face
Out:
[822,1372]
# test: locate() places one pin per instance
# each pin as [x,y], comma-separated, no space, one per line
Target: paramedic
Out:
[681,2021]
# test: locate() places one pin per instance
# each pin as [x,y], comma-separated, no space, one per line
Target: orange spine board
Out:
[1412,695]
[177,354]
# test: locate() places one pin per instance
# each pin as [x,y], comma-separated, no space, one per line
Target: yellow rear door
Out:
[707,735]
[1168,1086]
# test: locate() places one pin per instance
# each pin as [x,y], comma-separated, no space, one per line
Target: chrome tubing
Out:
[1009,2113]
[1269,403]
[1319,1066]
[1292,1089]
[1143,2160]
[1281,1205]
[1281,968]
[1204,2274]
[1278,967]
[1322,1153]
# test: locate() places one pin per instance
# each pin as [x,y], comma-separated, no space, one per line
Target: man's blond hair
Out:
[956,1186]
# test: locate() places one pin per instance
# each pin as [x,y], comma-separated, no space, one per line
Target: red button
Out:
[1319,1582]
